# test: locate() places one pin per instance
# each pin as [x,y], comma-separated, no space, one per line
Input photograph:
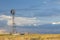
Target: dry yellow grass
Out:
[30,37]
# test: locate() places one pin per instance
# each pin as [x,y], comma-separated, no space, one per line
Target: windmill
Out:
[13,23]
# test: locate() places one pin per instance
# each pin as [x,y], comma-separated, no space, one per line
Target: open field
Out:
[30,37]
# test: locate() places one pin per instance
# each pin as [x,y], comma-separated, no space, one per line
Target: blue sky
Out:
[35,7]
[18,4]
[30,12]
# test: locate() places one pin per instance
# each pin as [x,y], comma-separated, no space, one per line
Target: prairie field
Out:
[30,37]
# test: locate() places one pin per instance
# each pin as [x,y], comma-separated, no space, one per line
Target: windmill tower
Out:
[13,23]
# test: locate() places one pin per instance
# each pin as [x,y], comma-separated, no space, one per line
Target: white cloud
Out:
[26,21]
[20,21]
[56,23]
[3,31]
[4,17]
